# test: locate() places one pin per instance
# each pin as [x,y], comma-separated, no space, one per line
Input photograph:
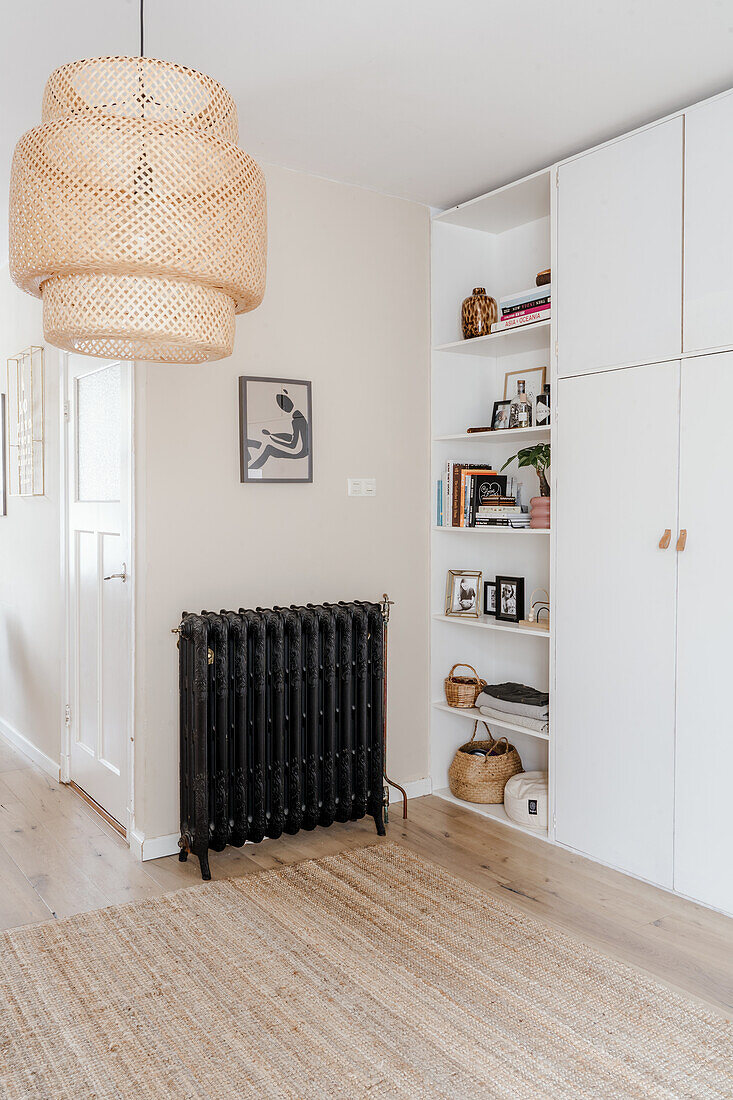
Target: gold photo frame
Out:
[462,597]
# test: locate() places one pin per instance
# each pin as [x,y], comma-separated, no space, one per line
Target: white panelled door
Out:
[99,646]
[618,277]
[615,456]
[704,773]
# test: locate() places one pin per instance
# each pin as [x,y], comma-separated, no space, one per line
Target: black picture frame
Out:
[296,446]
[503,424]
[514,614]
[490,598]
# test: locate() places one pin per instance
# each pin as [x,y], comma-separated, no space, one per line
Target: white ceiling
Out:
[434,101]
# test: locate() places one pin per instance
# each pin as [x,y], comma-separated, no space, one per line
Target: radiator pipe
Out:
[386,604]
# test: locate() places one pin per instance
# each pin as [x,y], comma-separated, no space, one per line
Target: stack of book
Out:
[474,495]
[524,308]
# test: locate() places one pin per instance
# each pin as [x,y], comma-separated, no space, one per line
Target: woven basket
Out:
[483,778]
[462,691]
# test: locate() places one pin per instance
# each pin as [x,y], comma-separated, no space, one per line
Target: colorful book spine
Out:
[526,307]
[525,296]
[536,307]
[517,322]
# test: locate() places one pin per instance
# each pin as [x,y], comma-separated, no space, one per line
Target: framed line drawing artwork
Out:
[3,458]
[275,430]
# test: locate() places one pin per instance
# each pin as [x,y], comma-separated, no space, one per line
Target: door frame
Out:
[64,480]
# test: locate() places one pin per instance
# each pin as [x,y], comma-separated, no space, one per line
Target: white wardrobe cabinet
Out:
[704,757]
[615,458]
[618,276]
[708,292]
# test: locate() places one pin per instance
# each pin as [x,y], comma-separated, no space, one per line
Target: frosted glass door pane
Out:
[98,435]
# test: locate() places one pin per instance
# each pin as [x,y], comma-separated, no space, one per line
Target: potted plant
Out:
[538,457]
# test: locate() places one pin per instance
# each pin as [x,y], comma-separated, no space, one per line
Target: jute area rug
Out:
[367,974]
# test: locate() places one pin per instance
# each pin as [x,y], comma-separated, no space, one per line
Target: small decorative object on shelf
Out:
[500,416]
[525,799]
[463,593]
[543,278]
[478,313]
[520,410]
[539,610]
[538,457]
[481,776]
[490,598]
[542,407]
[462,691]
[509,599]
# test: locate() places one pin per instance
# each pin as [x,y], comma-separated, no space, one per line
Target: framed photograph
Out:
[463,593]
[509,599]
[490,598]
[500,416]
[3,459]
[534,380]
[275,430]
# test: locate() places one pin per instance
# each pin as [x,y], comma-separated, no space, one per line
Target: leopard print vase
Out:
[478,314]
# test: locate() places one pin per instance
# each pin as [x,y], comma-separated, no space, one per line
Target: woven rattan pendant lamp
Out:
[134,215]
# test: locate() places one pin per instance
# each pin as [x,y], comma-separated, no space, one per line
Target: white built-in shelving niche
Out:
[499,241]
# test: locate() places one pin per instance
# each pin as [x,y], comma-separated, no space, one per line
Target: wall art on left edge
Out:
[275,430]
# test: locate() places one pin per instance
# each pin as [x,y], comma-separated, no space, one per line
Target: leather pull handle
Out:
[682,539]
[665,540]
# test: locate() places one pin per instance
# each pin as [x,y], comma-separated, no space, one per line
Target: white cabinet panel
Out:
[615,456]
[617,288]
[704,771]
[709,225]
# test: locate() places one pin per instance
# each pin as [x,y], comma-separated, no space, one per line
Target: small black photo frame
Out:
[509,599]
[500,416]
[490,598]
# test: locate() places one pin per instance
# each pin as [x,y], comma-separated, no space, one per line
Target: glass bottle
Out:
[520,410]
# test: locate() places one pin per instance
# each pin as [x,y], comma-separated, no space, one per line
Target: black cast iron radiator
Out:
[282,722]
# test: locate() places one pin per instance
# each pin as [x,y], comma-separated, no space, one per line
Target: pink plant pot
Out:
[540,512]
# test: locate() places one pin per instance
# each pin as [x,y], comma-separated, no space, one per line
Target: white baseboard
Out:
[155,847]
[15,738]
[415,789]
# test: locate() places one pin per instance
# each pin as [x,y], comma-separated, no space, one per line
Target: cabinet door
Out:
[708,225]
[615,460]
[704,756]
[617,287]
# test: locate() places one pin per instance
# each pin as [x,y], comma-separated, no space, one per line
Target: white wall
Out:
[31,591]
[347,306]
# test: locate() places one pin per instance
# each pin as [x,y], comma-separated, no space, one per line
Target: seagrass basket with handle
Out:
[483,778]
[462,691]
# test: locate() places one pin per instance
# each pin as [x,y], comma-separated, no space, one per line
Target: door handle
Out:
[665,540]
[118,576]
[682,539]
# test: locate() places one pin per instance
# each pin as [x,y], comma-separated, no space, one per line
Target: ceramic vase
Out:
[539,512]
[478,313]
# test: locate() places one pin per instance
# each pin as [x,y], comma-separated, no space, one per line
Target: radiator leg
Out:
[381,831]
[204,861]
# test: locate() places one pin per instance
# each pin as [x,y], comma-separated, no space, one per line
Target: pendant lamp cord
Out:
[142,29]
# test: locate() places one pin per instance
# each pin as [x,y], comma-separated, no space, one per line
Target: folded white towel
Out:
[537,724]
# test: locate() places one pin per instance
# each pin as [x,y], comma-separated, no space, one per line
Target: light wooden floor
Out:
[58,858]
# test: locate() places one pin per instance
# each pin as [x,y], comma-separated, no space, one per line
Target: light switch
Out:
[355,487]
[369,486]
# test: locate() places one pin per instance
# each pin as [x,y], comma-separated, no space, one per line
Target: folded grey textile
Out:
[516,699]
[536,724]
